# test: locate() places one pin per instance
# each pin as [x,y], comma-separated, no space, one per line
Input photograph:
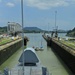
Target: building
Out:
[14,28]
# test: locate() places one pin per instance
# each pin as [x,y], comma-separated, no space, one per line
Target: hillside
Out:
[71,33]
[32,29]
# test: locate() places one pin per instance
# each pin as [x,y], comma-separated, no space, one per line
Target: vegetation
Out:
[30,30]
[3,30]
[4,40]
[71,33]
[69,43]
[38,30]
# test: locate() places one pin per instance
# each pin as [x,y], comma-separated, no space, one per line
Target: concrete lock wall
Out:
[67,57]
[8,51]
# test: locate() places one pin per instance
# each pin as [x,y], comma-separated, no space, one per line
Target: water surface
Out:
[47,57]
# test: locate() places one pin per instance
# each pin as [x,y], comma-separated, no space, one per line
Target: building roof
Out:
[13,23]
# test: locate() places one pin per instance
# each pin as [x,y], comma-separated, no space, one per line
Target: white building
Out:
[14,27]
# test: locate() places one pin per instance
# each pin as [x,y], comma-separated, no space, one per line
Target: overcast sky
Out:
[39,13]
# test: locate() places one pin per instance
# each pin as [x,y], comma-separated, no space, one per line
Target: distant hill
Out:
[71,32]
[32,29]
[36,29]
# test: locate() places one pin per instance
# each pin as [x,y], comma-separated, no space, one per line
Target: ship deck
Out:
[31,70]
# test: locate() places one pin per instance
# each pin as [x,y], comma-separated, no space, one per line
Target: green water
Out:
[47,57]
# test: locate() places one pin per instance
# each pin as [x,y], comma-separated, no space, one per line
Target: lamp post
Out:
[48,28]
[7,28]
[55,18]
[22,33]
[56,35]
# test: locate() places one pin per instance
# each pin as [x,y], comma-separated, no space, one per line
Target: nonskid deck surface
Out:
[27,71]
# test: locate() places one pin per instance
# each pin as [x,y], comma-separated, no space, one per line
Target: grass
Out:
[5,40]
[68,43]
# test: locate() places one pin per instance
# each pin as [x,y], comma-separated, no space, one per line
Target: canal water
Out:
[47,57]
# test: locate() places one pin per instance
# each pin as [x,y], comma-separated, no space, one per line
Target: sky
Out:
[39,13]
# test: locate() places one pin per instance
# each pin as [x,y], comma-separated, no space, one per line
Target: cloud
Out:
[10,4]
[47,4]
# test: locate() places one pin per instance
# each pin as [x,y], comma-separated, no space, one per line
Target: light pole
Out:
[7,28]
[22,33]
[56,35]
[55,18]
[48,28]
